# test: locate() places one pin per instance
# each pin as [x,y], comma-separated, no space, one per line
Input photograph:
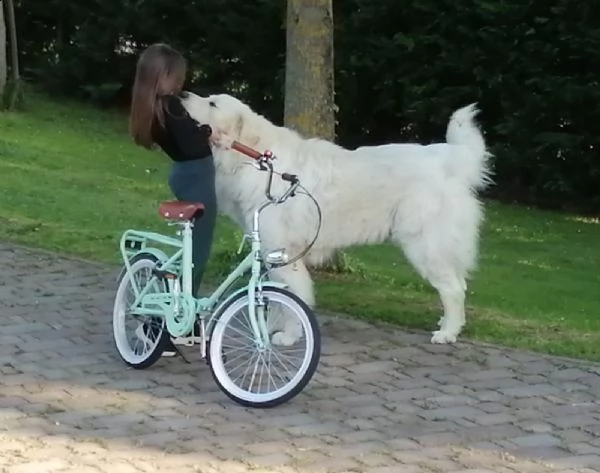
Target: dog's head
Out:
[226,115]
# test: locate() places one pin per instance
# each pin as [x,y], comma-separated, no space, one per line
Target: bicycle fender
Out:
[159,254]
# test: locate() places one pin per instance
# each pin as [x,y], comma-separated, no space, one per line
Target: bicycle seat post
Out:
[186,260]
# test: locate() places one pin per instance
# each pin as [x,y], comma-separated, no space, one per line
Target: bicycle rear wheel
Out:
[139,339]
[267,377]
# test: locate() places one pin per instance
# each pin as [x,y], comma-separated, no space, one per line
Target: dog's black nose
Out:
[206,130]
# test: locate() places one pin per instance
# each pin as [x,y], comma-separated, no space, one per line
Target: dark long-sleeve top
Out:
[181,138]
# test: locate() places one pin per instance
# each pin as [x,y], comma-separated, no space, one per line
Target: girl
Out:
[159,118]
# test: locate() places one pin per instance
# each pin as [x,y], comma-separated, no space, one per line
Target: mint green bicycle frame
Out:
[180,264]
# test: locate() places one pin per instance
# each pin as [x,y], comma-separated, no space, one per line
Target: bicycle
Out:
[163,305]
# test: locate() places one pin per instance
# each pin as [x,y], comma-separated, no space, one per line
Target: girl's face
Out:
[172,81]
[161,68]
[160,71]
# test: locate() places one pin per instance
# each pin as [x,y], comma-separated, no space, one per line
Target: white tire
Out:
[222,355]
[144,346]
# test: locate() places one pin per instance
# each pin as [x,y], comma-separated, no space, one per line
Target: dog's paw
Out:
[283,339]
[443,337]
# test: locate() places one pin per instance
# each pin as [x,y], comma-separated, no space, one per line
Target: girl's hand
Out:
[206,130]
[221,139]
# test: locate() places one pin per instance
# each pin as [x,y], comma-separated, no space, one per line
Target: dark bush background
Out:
[401,68]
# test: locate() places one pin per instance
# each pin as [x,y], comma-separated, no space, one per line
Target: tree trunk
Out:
[309,87]
[309,76]
[15,88]
[3,63]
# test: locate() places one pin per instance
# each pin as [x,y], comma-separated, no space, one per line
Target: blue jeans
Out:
[195,181]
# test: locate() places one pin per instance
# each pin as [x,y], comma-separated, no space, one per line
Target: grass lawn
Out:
[71,180]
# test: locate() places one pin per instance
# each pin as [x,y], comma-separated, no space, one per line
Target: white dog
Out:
[422,198]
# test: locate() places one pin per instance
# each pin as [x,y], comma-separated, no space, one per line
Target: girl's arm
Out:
[191,139]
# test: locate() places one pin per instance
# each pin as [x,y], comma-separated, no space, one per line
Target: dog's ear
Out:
[245,133]
[239,125]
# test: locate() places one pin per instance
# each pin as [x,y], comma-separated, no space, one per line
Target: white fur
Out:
[422,198]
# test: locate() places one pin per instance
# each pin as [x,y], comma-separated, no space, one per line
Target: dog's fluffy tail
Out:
[463,131]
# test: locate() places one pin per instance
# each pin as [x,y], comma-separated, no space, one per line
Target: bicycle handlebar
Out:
[265,163]
[250,152]
[289,177]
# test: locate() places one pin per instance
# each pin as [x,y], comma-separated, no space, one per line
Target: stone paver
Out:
[383,401]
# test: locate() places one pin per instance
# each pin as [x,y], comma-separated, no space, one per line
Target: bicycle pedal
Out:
[186,341]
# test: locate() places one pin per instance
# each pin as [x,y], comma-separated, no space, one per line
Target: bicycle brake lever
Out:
[258,165]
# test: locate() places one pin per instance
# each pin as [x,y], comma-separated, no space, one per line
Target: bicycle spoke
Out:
[286,362]
[277,372]
[237,343]
[262,365]
[246,371]
[136,345]
[254,373]
[289,357]
[247,346]
[246,319]
[235,358]
[238,336]
[269,373]
[282,364]
[241,333]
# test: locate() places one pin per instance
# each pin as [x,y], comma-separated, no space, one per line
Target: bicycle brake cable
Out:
[313,241]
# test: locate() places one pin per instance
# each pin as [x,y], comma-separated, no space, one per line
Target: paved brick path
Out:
[383,401]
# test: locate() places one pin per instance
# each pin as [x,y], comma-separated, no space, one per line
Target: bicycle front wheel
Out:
[269,376]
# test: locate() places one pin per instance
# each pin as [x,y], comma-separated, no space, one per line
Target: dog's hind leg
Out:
[439,236]
[451,289]
[439,265]
[452,294]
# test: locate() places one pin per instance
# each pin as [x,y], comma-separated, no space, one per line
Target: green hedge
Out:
[401,68]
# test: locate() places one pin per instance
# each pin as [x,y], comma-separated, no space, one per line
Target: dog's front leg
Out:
[298,279]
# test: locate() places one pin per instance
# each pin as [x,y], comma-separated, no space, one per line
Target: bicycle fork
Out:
[257,312]
[256,302]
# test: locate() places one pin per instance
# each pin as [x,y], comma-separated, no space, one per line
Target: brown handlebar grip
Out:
[250,152]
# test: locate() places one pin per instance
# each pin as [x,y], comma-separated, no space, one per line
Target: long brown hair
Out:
[160,71]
